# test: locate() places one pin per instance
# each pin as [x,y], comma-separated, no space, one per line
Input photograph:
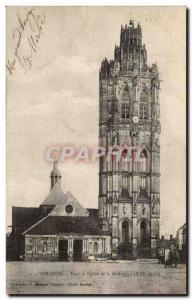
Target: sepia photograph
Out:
[96,105]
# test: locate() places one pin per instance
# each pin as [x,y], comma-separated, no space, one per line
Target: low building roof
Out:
[24,217]
[53,225]
[93,212]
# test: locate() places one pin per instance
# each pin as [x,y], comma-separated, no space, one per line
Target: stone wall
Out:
[46,248]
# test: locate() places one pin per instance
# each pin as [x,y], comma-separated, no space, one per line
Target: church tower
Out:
[129,129]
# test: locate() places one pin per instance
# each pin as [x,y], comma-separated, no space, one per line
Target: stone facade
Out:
[46,248]
[129,116]
[66,230]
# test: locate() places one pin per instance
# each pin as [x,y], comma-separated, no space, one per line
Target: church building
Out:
[129,110]
[60,228]
[126,223]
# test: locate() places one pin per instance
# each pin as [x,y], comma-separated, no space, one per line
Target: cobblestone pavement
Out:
[122,277]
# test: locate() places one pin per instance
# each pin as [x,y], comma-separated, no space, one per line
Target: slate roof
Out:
[53,225]
[82,220]
[59,200]
[24,217]
[93,212]
[56,195]
[69,199]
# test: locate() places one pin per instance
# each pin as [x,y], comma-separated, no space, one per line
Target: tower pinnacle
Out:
[55,164]
[55,175]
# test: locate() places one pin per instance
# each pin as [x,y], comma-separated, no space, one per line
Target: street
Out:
[121,277]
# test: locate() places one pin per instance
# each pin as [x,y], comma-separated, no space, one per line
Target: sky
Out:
[56,101]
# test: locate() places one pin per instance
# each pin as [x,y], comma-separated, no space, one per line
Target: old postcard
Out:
[96,150]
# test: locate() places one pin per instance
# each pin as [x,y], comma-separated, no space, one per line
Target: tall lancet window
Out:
[144,161]
[125,112]
[124,184]
[126,104]
[144,168]
[143,185]
[144,109]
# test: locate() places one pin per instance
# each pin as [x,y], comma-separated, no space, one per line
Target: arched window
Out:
[124,185]
[143,186]
[95,247]
[45,247]
[144,233]
[143,183]
[144,110]
[143,160]
[126,107]
[125,111]
[125,94]
[144,168]
[125,231]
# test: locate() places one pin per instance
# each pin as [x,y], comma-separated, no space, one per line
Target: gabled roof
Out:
[55,196]
[53,225]
[69,200]
[59,200]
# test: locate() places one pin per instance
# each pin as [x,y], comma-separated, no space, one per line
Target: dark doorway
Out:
[144,249]
[144,236]
[63,250]
[124,248]
[77,250]
[125,231]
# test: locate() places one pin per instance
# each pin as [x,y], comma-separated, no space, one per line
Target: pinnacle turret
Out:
[55,175]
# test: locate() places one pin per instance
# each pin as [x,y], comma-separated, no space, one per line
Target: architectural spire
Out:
[55,164]
[55,175]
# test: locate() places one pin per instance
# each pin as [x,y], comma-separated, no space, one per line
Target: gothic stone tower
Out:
[129,116]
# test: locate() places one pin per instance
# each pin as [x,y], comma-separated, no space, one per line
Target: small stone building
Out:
[64,229]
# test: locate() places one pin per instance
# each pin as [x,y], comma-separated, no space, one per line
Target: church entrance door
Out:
[144,249]
[77,250]
[124,249]
[144,234]
[63,250]
[125,232]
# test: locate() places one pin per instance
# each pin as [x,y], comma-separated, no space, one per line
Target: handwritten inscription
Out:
[26,37]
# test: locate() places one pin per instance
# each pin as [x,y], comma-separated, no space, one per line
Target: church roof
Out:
[53,225]
[24,217]
[56,195]
[60,201]
[93,212]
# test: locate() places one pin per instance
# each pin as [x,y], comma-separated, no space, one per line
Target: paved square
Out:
[122,277]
